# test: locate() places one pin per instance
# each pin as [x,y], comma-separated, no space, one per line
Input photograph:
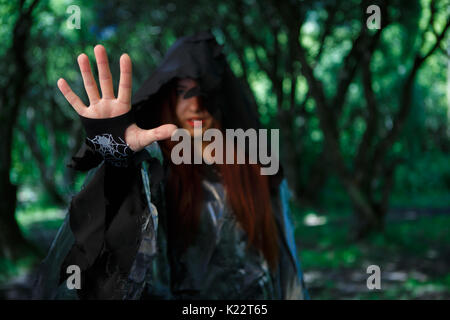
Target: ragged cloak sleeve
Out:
[101,233]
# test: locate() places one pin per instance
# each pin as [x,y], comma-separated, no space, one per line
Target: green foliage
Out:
[146,29]
[11,269]
[151,30]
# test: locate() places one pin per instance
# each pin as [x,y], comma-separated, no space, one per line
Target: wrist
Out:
[107,137]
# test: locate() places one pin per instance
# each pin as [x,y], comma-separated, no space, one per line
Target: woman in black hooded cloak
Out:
[145,228]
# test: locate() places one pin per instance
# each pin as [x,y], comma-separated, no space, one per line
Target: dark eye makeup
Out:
[179,90]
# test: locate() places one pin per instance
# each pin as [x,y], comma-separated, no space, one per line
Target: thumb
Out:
[147,137]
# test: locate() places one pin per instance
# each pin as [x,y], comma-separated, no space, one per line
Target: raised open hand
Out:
[108,106]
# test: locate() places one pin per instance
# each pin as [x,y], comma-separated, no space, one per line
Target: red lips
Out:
[198,121]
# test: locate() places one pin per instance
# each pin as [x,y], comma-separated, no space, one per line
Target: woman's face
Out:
[189,110]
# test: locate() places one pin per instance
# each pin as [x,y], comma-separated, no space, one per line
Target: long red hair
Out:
[247,192]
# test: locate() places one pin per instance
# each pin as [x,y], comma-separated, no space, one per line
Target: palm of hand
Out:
[108,106]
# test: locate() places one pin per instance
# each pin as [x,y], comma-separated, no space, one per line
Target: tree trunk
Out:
[289,151]
[12,243]
[363,226]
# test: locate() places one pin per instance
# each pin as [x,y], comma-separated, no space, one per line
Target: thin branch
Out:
[405,99]
[437,43]
[361,159]
[332,9]
[430,23]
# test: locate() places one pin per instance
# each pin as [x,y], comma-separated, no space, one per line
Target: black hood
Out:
[198,57]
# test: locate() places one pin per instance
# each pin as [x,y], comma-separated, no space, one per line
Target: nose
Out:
[194,104]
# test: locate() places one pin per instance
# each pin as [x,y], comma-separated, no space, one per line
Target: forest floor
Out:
[413,254]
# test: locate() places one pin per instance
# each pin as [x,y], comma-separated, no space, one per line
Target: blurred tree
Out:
[373,161]
[16,66]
